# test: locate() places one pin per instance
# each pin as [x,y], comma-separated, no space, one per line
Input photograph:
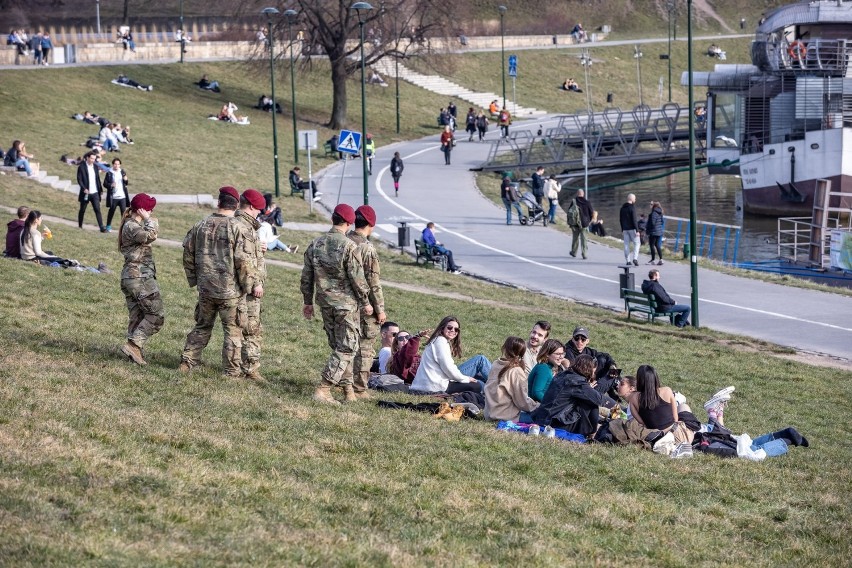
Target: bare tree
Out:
[394,28]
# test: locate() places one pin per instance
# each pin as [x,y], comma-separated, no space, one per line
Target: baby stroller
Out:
[534,211]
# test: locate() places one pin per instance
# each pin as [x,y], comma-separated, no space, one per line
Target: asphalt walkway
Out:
[536,258]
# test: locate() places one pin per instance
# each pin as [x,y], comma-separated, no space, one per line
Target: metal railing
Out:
[709,238]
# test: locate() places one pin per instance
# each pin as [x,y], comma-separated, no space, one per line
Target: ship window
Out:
[724,132]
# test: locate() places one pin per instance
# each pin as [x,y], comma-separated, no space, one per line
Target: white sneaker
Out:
[665,445]
[684,450]
[317,198]
[679,398]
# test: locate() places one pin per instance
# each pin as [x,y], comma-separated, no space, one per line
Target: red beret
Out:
[368,213]
[254,198]
[228,190]
[142,201]
[346,212]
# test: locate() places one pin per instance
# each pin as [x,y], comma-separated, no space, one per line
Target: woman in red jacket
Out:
[405,356]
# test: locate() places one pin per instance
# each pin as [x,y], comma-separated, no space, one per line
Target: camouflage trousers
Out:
[252,335]
[145,305]
[359,372]
[341,327]
[233,315]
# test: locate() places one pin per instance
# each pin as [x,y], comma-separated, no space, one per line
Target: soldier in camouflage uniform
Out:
[333,272]
[139,276]
[365,220]
[218,259]
[251,204]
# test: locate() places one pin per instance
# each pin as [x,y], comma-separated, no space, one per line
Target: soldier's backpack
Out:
[573,214]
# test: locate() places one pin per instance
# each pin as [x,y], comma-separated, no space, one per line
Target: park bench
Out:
[426,254]
[295,189]
[635,301]
[330,151]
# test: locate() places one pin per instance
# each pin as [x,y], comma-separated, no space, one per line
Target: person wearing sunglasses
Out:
[405,359]
[388,333]
[579,345]
[438,372]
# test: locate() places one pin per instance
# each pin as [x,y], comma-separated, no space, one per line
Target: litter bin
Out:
[626,280]
[70,53]
[555,40]
[686,250]
[403,235]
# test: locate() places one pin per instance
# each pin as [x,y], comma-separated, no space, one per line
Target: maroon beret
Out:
[254,198]
[346,212]
[142,201]
[228,190]
[368,213]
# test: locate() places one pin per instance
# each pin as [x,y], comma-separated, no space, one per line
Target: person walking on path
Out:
[396,167]
[115,182]
[551,190]
[481,125]
[252,203]
[470,123]
[219,260]
[447,141]
[665,304]
[91,190]
[504,119]
[654,228]
[365,220]
[139,276]
[630,231]
[579,216]
[510,198]
[333,276]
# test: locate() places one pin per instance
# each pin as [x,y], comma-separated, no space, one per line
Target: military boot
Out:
[349,393]
[362,395]
[323,393]
[184,367]
[133,352]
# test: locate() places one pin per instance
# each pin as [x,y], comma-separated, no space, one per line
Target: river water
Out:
[718,200]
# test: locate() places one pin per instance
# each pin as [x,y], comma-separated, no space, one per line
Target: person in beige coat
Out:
[506,395]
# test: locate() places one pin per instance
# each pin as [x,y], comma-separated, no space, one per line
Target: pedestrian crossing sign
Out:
[349,142]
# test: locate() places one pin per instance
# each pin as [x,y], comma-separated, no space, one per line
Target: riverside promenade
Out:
[536,258]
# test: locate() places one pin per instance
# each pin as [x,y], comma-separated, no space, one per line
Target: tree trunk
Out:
[338,105]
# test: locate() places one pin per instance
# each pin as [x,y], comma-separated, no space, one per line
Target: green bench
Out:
[635,301]
[425,255]
[295,189]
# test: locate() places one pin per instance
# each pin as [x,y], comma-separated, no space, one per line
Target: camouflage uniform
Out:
[253,330]
[333,269]
[139,281]
[216,259]
[369,324]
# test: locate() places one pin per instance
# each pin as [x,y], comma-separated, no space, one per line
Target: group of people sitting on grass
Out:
[110,134]
[571,386]
[24,237]
[571,85]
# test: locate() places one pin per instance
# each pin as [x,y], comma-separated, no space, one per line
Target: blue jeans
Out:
[551,215]
[682,312]
[508,203]
[770,445]
[477,367]
[451,264]
[23,162]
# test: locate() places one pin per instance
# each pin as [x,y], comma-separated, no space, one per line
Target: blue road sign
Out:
[349,142]
[513,66]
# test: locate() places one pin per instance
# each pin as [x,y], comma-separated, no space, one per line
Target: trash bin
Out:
[686,250]
[554,40]
[70,53]
[403,234]
[626,280]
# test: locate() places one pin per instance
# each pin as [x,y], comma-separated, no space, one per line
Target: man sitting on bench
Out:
[665,304]
[297,182]
[429,238]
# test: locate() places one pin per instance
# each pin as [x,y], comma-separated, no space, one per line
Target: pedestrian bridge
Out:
[616,141]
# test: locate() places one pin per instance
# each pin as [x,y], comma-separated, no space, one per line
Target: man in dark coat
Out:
[91,189]
[665,304]
[630,231]
[537,185]
[571,403]
[13,233]
[578,228]
[579,345]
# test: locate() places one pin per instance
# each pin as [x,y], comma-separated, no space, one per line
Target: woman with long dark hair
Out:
[31,239]
[139,275]
[405,358]
[506,396]
[654,230]
[438,372]
[655,407]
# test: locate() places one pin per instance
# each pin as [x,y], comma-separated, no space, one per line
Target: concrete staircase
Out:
[387,68]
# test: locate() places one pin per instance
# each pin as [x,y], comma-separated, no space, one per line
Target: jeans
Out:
[477,367]
[682,311]
[277,245]
[630,237]
[23,162]
[656,242]
[451,264]
[770,445]
[551,214]
[508,203]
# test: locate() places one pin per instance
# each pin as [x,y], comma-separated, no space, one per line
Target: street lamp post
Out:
[269,12]
[669,58]
[586,61]
[396,64]
[182,33]
[291,15]
[637,54]
[693,221]
[503,51]
[361,7]
[98,16]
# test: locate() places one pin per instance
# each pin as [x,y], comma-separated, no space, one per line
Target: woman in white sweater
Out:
[31,239]
[438,373]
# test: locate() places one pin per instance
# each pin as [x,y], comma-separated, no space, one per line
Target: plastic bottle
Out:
[535,430]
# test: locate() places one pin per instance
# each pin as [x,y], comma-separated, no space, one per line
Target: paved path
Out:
[537,258]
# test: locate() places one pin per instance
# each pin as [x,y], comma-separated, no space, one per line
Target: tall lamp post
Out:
[361,8]
[396,64]
[670,9]
[291,15]
[269,12]
[586,62]
[182,33]
[503,50]
[637,55]
[693,221]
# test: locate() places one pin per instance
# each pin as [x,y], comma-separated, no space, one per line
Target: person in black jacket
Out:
[630,231]
[90,189]
[537,184]
[578,231]
[571,402]
[654,228]
[665,304]
[396,167]
[579,345]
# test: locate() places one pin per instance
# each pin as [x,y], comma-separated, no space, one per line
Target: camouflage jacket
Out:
[136,242]
[333,270]
[215,259]
[248,227]
[370,262]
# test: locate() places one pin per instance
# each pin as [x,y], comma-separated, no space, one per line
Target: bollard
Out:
[686,250]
